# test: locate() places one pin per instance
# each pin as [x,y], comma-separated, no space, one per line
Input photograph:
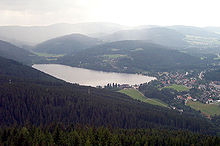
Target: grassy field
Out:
[178,88]
[48,55]
[138,49]
[114,56]
[207,109]
[135,94]
[204,41]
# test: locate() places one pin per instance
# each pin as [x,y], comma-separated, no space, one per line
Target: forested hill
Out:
[15,70]
[10,51]
[67,44]
[131,56]
[159,35]
[27,101]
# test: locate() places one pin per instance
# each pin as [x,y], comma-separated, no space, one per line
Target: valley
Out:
[119,80]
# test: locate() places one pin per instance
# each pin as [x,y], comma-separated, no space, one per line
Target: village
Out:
[195,87]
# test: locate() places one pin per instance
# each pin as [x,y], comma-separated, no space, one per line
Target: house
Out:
[189,98]
[209,101]
[135,86]
[194,99]
[180,97]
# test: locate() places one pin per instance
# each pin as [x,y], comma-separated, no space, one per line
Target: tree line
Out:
[58,134]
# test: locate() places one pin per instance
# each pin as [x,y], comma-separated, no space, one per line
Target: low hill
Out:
[24,100]
[66,44]
[159,35]
[10,51]
[130,56]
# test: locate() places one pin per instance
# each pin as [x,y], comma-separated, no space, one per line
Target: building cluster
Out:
[177,78]
[205,91]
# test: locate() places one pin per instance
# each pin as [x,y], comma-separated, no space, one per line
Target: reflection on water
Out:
[90,77]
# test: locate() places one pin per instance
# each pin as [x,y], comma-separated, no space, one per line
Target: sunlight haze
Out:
[125,12]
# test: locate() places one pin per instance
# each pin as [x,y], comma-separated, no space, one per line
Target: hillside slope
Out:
[158,35]
[24,100]
[10,51]
[66,44]
[130,56]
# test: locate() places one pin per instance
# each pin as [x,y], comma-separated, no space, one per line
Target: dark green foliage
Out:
[78,135]
[66,44]
[135,56]
[216,121]
[167,95]
[10,51]
[43,104]
[213,75]
[47,100]
[13,70]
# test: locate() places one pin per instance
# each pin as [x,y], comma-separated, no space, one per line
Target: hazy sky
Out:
[126,12]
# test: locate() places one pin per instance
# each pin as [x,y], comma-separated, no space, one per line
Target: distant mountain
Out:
[29,96]
[130,56]
[32,35]
[66,44]
[198,38]
[159,35]
[195,31]
[10,51]
[213,29]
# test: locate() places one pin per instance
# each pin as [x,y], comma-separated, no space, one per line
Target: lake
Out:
[90,77]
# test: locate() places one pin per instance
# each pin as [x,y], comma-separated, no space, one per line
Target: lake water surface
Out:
[90,77]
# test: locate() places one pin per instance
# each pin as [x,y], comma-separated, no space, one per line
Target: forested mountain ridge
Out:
[25,100]
[130,56]
[159,35]
[66,44]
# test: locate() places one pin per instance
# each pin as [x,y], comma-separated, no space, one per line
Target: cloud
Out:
[43,12]
[37,5]
[127,12]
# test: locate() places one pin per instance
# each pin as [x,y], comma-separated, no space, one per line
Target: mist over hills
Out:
[159,35]
[175,37]
[187,39]
[213,29]
[192,30]
[32,35]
